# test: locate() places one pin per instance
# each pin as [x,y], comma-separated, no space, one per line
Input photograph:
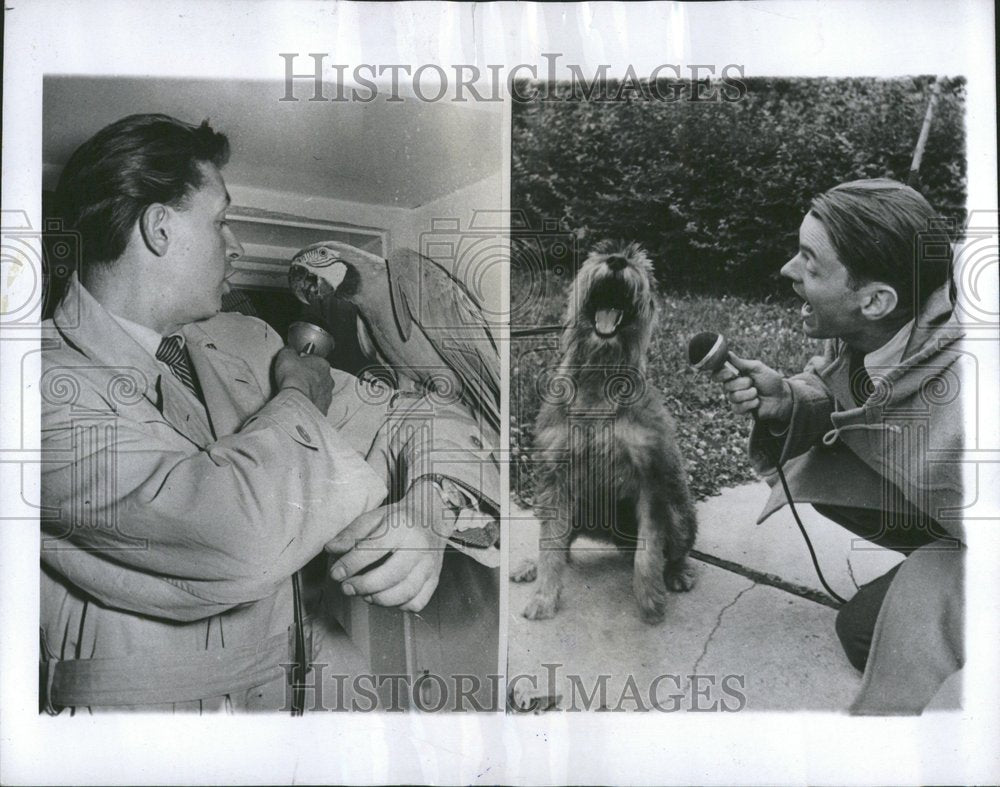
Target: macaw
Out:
[413,316]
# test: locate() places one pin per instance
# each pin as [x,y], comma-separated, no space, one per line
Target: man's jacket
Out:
[170,531]
[900,449]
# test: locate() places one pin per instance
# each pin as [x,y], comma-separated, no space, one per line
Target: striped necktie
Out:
[174,354]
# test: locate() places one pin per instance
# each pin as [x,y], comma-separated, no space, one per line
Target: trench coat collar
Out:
[935,328]
[937,321]
[228,384]
[88,326]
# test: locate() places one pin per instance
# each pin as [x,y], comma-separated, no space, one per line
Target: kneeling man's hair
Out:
[125,167]
[883,230]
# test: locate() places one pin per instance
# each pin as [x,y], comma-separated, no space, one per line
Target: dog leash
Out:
[541,330]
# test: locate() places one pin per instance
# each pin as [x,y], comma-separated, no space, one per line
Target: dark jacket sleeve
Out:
[812,405]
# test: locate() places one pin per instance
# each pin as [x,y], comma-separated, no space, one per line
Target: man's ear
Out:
[878,300]
[154,226]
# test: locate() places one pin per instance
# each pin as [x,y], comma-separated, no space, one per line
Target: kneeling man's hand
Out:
[406,540]
[756,387]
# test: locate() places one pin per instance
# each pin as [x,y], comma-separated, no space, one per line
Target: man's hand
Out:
[756,387]
[407,540]
[309,374]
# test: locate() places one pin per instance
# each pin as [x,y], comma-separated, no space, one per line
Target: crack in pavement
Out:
[718,623]
[850,571]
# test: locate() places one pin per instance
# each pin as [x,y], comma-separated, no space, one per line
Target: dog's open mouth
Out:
[610,305]
[606,321]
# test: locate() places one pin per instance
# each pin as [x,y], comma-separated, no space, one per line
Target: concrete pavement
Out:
[750,645]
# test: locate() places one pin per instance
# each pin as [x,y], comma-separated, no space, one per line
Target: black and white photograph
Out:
[266,515]
[499,392]
[785,244]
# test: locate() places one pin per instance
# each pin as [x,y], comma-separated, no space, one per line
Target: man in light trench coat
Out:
[192,464]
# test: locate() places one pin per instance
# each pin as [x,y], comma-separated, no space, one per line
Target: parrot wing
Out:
[426,297]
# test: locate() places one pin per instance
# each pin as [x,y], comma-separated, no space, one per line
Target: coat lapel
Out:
[230,389]
[84,322]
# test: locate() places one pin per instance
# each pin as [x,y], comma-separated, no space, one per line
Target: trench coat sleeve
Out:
[127,589]
[918,642]
[812,406]
[208,527]
[406,438]
[458,449]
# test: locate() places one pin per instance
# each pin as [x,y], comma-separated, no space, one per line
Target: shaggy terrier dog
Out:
[609,464]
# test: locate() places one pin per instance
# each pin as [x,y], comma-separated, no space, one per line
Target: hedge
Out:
[716,190]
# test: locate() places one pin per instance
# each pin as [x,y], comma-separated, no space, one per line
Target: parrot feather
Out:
[421,320]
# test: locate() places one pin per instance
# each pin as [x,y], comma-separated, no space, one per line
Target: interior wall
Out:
[395,221]
[474,211]
[463,205]
[466,232]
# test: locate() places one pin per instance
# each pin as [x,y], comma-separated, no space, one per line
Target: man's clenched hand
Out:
[756,387]
[309,374]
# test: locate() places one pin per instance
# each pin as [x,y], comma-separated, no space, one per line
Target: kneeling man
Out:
[870,434]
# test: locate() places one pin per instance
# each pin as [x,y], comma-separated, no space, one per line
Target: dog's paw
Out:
[652,612]
[526,571]
[541,607]
[679,579]
[651,596]
[647,584]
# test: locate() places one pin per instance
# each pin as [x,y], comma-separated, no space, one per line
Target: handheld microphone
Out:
[310,339]
[708,352]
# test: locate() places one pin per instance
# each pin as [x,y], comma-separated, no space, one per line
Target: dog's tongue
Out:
[606,321]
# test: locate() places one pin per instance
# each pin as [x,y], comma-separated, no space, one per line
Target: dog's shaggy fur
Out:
[610,467]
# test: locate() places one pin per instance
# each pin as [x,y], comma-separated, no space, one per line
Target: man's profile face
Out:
[202,250]
[832,308]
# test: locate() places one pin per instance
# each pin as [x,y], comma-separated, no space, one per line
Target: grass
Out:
[712,438]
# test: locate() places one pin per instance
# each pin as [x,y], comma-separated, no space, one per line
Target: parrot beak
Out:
[306,285]
[313,280]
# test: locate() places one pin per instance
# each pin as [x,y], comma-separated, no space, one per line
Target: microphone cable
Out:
[708,352]
[795,514]
[805,535]
[301,653]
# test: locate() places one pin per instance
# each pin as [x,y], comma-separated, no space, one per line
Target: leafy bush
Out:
[716,191]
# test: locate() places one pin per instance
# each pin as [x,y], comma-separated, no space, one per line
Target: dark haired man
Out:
[192,464]
[869,434]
